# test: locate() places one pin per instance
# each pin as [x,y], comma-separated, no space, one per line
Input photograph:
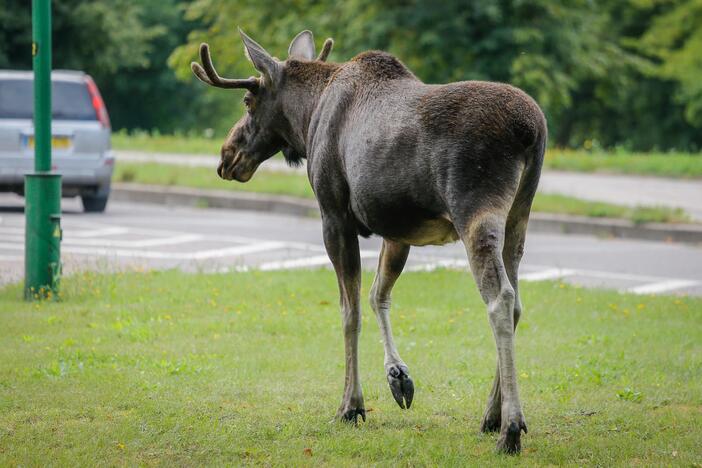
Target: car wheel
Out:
[94,203]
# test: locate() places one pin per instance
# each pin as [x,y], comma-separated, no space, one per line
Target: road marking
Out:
[446,263]
[157,255]
[11,258]
[606,274]
[235,251]
[87,238]
[185,238]
[306,262]
[107,231]
[318,260]
[11,230]
[548,274]
[133,243]
[74,232]
[662,286]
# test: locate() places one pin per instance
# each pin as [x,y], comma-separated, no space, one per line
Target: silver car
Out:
[81,149]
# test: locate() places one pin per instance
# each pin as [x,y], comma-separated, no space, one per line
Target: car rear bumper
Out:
[79,174]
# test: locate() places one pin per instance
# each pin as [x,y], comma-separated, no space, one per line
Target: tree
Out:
[674,42]
[123,44]
[99,37]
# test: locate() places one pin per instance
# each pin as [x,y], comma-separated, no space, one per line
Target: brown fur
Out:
[415,164]
[309,72]
[381,66]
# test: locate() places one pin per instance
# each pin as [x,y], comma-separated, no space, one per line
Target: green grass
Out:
[155,143]
[173,369]
[297,185]
[278,183]
[554,203]
[672,164]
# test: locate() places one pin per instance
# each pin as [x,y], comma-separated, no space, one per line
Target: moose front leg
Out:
[341,242]
[393,256]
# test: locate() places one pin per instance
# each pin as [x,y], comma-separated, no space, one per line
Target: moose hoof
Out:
[351,415]
[491,421]
[401,385]
[510,440]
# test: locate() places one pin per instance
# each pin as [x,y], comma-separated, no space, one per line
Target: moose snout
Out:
[235,165]
[227,163]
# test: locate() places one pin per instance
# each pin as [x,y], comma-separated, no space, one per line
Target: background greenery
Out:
[608,73]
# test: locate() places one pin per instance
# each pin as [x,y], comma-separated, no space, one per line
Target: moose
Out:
[413,163]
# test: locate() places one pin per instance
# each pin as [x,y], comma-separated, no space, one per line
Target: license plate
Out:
[57,142]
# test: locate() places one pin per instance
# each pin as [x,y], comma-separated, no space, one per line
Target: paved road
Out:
[620,189]
[209,240]
[627,190]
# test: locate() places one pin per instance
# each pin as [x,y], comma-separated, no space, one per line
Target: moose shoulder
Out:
[413,163]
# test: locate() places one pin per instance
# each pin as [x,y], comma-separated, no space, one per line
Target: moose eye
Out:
[248,101]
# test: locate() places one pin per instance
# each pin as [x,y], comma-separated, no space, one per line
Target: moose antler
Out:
[326,50]
[207,73]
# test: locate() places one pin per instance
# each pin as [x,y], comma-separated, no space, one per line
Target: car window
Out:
[69,100]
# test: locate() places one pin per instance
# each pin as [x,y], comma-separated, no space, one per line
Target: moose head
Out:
[265,129]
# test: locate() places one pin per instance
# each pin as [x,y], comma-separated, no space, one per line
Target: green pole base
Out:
[42,252]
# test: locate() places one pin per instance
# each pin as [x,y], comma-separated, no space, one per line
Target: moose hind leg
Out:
[492,418]
[341,242]
[393,256]
[512,252]
[484,238]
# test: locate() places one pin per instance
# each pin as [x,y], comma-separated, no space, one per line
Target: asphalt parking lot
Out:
[142,236]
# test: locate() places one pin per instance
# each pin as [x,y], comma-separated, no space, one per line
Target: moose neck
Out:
[306,82]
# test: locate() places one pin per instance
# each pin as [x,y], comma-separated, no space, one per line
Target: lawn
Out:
[155,143]
[277,183]
[676,165]
[670,164]
[247,368]
[297,185]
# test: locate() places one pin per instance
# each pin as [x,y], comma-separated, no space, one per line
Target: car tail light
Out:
[98,103]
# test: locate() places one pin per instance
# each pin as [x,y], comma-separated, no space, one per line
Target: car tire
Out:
[94,203]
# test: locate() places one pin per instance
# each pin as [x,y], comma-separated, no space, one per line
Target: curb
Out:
[185,196]
[617,228]
[538,222]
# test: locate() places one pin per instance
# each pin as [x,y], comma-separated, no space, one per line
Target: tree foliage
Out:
[606,72]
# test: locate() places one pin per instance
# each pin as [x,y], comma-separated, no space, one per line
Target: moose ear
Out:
[302,46]
[261,59]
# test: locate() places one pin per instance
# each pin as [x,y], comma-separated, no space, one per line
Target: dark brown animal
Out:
[414,163]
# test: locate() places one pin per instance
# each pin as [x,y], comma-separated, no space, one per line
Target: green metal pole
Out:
[42,257]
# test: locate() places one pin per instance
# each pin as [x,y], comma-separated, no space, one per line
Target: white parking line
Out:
[132,243]
[108,231]
[113,231]
[318,260]
[234,251]
[548,274]
[156,255]
[446,263]
[185,238]
[89,239]
[11,230]
[11,258]
[662,286]
[306,262]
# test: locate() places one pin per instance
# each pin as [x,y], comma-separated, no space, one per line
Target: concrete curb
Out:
[185,196]
[618,228]
[539,222]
